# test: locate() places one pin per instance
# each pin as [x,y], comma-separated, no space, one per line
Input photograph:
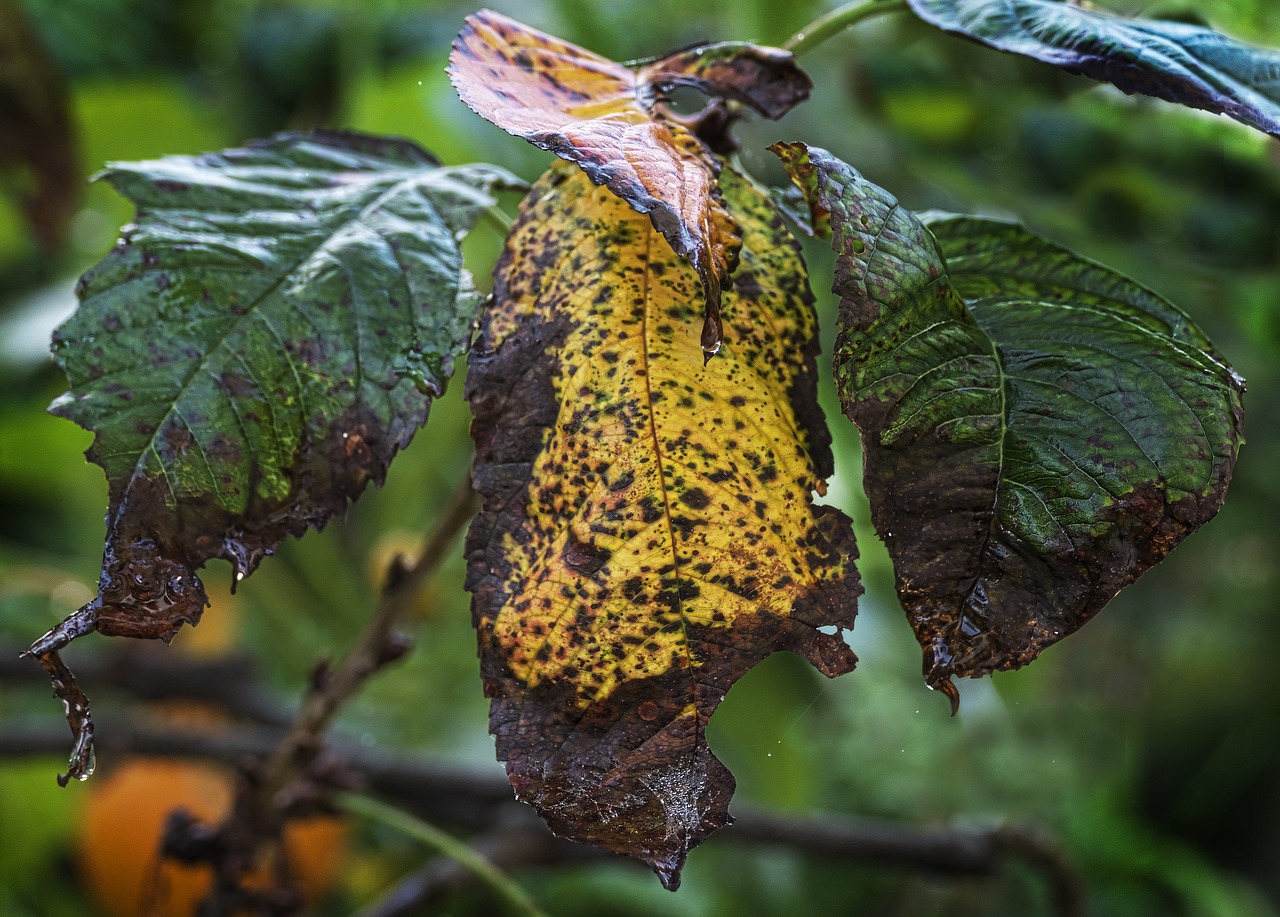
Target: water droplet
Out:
[423,370]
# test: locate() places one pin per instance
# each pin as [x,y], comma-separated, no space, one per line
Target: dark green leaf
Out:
[1174,61]
[256,349]
[1038,430]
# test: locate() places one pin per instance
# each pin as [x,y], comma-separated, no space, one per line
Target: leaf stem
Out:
[377,645]
[284,777]
[499,219]
[445,844]
[836,21]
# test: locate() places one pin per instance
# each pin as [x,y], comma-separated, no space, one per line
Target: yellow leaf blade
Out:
[648,532]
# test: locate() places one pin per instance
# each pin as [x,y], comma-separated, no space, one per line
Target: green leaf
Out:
[255,350]
[648,532]
[1038,430]
[1175,61]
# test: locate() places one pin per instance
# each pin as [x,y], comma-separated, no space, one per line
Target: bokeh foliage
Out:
[1146,744]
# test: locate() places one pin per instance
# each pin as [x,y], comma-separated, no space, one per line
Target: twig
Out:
[376,647]
[443,842]
[295,775]
[516,842]
[836,21]
[481,801]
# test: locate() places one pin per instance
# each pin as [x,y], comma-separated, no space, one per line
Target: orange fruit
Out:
[124,817]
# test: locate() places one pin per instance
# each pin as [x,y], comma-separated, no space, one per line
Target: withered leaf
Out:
[255,350]
[1038,430]
[648,532]
[612,121]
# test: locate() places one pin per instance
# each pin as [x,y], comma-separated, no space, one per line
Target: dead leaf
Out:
[612,121]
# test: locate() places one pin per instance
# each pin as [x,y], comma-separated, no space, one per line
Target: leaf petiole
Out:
[499,220]
[445,844]
[836,21]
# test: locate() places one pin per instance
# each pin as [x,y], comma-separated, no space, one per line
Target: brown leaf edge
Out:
[148,586]
[550,757]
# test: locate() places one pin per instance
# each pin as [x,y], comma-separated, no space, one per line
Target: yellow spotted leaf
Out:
[612,121]
[648,532]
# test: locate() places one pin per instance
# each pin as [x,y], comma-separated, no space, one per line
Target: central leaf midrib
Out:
[994,522]
[661,467]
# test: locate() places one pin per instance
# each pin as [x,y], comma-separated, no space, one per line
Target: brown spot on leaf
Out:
[602,685]
[584,558]
[1028,439]
[221,435]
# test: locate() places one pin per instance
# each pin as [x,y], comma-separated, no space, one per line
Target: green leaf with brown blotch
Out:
[1037,430]
[612,120]
[648,532]
[1176,61]
[256,349]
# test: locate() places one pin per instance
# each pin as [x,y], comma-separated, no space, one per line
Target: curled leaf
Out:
[1175,61]
[648,532]
[610,119]
[1038,430]
[255,350]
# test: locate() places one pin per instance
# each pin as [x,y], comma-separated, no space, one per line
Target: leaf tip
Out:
[798,160]
[947,687]
[668,867]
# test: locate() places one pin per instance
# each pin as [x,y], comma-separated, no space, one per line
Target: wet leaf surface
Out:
[647,532]
[36,132]
[612,121]
[1178,62]
[1038,430]
[254,352]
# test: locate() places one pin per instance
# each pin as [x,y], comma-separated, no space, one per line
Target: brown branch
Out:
[464,797]
[296,775]
[376,647]
[512,837]
[299,768]
[523,842]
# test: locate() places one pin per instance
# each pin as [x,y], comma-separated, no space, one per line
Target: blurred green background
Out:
[1146,745]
